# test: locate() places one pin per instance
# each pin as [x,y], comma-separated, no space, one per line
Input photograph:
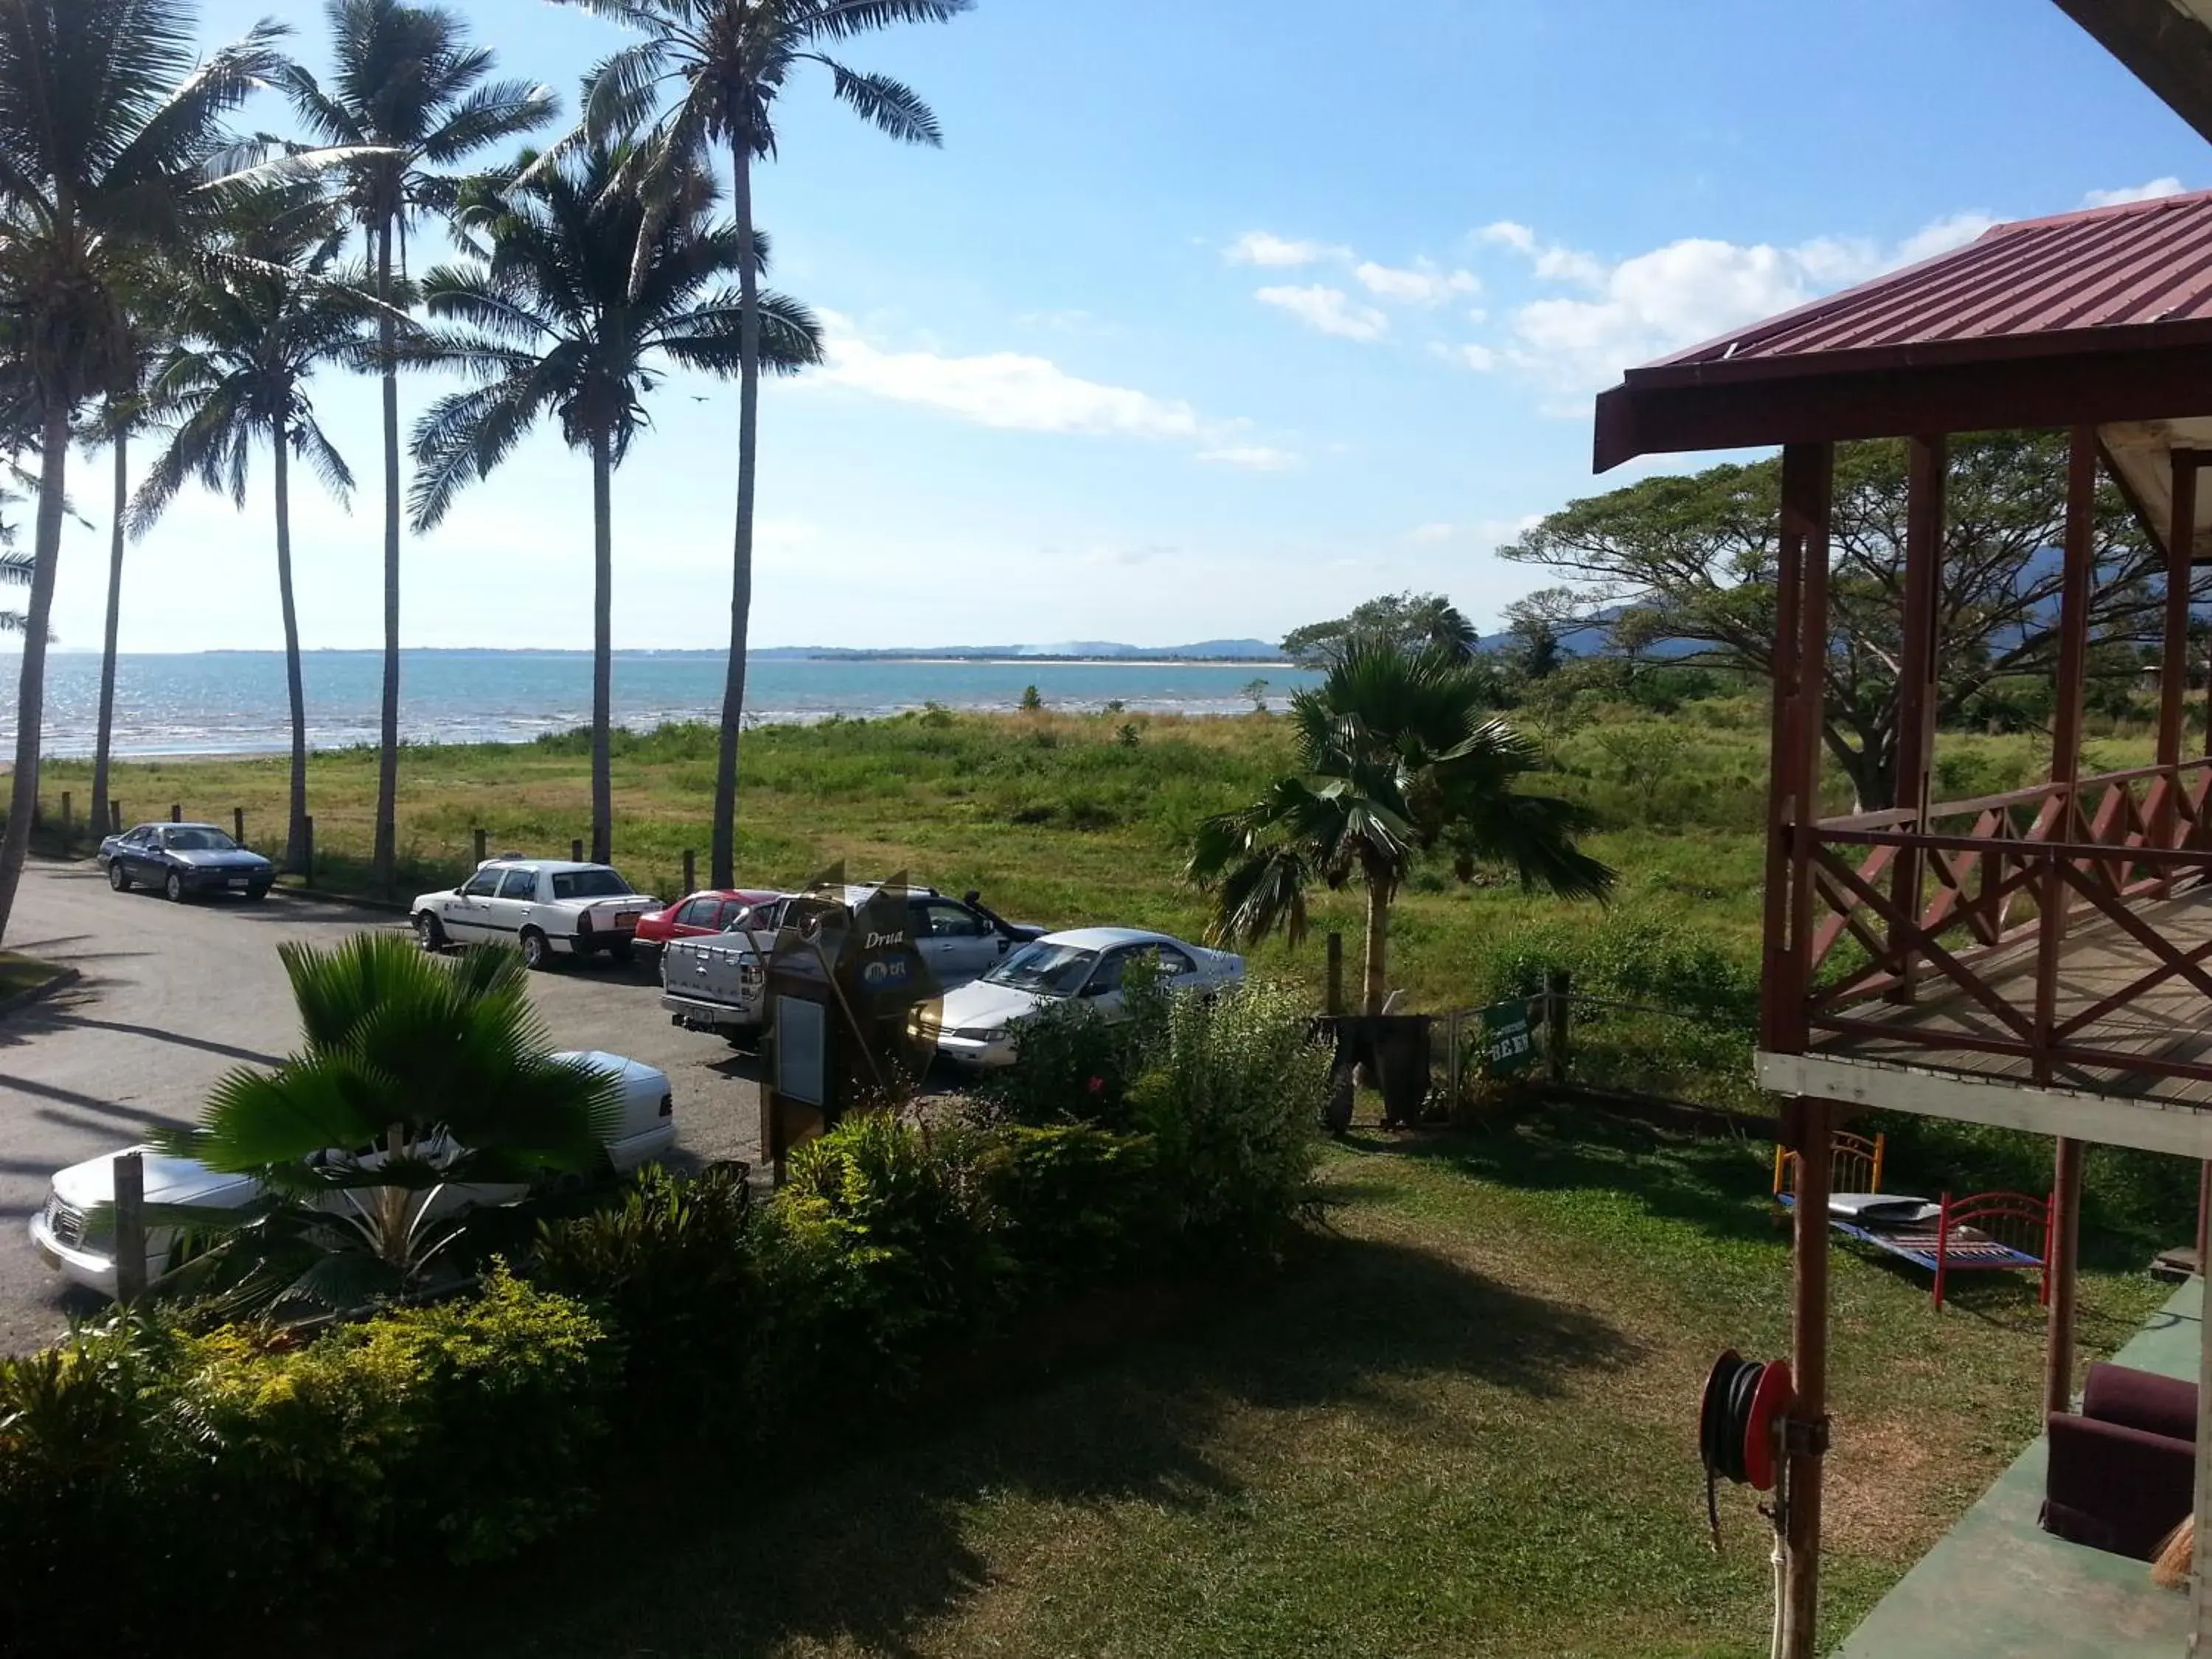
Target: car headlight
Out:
[975,1033]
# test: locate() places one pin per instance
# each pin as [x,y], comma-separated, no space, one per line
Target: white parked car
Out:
[976,1025]
[70,1240]
[546,908]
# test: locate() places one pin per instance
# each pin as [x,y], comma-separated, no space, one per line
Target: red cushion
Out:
[2141,1400]
[2116,1488]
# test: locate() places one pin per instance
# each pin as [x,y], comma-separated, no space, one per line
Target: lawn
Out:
[1457,1421]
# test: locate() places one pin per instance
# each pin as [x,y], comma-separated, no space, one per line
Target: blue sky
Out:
[1212,317]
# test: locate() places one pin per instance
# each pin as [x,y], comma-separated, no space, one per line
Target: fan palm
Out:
[251,328]
[419,1074]
[1397,757]
[410,96]
[555,319]
[110,129]
[708,72]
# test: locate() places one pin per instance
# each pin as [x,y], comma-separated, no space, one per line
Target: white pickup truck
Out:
[543,907]
[718,983]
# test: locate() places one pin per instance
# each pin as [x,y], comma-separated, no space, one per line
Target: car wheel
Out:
[257,893]
[117,876]
[429,932]
[537,950]
[624,954]
[173,888]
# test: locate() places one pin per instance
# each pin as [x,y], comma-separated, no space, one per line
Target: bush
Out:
[1074,1206]
[673,1267]
[1231,1097]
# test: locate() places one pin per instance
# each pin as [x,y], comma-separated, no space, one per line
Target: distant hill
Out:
[1246,650]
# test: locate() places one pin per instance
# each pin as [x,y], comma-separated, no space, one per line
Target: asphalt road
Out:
[174,995]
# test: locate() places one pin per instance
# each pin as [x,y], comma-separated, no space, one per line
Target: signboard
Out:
[1509,1047]
[801,1056]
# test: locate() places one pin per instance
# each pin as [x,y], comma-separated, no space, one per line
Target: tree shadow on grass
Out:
[860,1541]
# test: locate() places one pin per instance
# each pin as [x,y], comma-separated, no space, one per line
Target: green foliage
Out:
[1074,1064]
[1074,1206]
[1231,1097]
[1031,702]
[1413,622]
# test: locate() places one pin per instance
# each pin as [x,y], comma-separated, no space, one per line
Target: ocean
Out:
[234,702]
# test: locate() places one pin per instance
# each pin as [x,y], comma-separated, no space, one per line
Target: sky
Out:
[1211,317]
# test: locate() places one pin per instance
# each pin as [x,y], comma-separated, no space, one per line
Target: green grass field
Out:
[1458,1422]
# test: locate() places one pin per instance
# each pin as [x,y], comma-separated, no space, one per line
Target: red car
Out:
[702,913]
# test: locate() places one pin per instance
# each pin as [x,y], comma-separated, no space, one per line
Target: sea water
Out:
[234,701]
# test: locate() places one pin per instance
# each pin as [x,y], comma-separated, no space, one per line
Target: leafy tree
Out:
[251,328]
[552,320]
[111,132]
[409,96]
[420,1075]
[1693,559]
[1397,759]
[1412,620]
[707,74]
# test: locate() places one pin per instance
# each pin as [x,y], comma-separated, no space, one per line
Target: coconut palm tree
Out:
[122,417]
[1397,757]
[422,1073]
[408,96]
[708,73]
[251,328]
[111,129]
[562,317]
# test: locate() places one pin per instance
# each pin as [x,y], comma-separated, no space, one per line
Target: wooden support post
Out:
[2174,654]
[1808,1366]
[1926,462]
[690,871]
[1800,692]
[1559,986]
[2065,1239]
[114,816]
[2052,897]
[130,1178]
[176,814]
[576,850]
[238,824]
[483,839]
[69,821]
[1335,955]
[2203,1215]
[2200,1590]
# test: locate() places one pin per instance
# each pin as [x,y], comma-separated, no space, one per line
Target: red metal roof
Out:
[2103,268]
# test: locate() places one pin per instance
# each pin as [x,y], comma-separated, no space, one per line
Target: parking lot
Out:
[174,995]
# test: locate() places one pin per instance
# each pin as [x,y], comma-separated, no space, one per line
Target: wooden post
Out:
[2200,1591]
[690,871]
[1917,688]
[129,1177]
[2053,895]
[69,821]
[576,850]
[1558,986]
[2173,653]
[2203,1215]
[238,824]
[176,814]
[482,840]
[1335,953]
[2065,1238]
[114,816]
[1807,1431]
[307,848]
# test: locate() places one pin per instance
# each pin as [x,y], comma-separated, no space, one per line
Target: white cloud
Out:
[1253,458]
[1507,232]
[1261,247]
[1419,284]
[1480,358]
[1330,310]
[1431,535]
[2151,191]
[1552,262]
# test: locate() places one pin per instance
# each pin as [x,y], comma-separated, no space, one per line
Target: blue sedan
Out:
[182,860]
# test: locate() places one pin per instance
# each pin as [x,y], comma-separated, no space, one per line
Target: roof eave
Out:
[2167,48]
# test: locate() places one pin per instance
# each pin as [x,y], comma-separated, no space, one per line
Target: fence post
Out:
[576,850]
[238,824]
[176,814]
[1558,982]
[690,871]
[114,816]
[1335,944]
[130,1176]
[482,840]
[307,848]
[69,815]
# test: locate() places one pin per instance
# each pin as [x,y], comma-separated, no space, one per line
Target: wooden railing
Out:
[1978,901]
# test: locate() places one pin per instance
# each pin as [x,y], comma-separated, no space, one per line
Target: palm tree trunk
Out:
[1378,946]
[387,760]
[724,859]
[101,743]
[31,693]
[295,839]
[603,600]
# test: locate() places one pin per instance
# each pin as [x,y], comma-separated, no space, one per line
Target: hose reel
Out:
[1740,1421]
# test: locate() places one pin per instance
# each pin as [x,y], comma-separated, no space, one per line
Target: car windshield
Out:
[588,883]
[200,841]
[1046,968]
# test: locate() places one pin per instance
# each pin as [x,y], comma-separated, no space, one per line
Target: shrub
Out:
[1075,1207]
[674,1267]
[1231,1097]
[1074,1065]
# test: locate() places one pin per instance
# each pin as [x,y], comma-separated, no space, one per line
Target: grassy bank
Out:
[1459,1422]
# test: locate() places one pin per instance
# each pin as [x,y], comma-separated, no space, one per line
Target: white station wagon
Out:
[67,1235]
[543,907]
